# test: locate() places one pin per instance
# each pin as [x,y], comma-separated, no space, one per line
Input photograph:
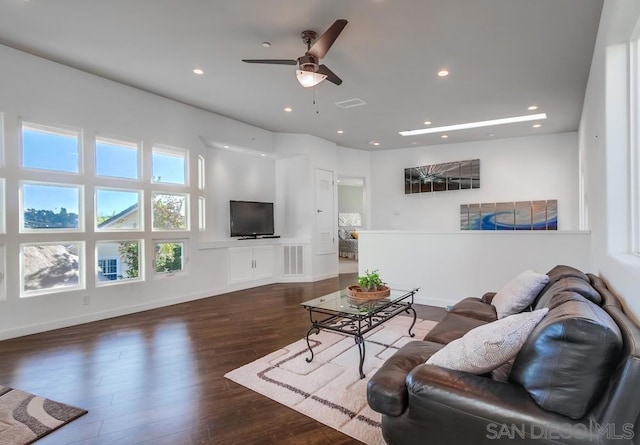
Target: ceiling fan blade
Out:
[331,76]
[272,61]
[324,42]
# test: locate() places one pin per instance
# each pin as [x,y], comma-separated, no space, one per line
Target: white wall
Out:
[516,169]
[604,152]
[450,266]
[46,92]
[240,177]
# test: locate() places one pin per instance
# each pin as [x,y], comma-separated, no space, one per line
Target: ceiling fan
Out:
[310,73]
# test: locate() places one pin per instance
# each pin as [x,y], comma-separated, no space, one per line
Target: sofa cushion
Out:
[486,347]
[568,284]
[475,308]
[451,327]
[519,293]
[387,389]
[567,360]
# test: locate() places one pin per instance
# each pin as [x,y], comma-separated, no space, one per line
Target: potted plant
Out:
[370,281]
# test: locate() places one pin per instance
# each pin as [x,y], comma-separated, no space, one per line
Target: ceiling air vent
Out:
[350,103]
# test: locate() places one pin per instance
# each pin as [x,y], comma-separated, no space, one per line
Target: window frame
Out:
[124,143]
[171,151]
[141,260]
[21,209]
[187,211]
[140,194]
[182,241]
[58,129]
[82,280]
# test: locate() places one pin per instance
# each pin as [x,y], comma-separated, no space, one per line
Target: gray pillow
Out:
[519,293]
[486,347]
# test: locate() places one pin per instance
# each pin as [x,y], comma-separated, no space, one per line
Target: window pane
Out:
[116,159]
[201,172]
[51,267]
[118,210]
[201,214]
[169,211]
[3,217]
[49,207]
[169,166]
[168,256]
[118,261]
[50,148]
[3,273]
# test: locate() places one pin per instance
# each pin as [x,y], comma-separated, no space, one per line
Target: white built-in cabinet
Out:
[250,263]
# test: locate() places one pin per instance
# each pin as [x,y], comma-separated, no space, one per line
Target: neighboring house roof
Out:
[115,218]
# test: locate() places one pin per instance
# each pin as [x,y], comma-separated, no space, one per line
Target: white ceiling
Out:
[503,55]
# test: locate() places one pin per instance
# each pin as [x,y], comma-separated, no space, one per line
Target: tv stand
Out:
[269,236]
[247,237]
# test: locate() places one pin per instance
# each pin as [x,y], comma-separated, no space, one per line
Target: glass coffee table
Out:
[341,313]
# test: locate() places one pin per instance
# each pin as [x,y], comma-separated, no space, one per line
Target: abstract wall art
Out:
[521,215]
[459,175]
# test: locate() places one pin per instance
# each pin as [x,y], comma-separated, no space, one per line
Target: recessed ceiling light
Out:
[506,120]
[338,180]
[266,44]
[376,143]
[340,131]
[226,146]
[445,136]
[198,71]
[532,107]
[427,122]
[537,125]
[491,134]
[263,155]
[288,109]
[443,73]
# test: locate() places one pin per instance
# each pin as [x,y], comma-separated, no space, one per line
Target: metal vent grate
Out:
[350,103]
[293,260]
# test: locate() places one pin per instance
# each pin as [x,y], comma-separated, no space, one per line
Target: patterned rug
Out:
[24,418]
[329,389]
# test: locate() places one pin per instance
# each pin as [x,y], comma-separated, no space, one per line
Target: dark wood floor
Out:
[156,377]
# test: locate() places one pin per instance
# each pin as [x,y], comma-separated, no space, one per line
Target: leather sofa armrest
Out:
[488,296]
[481,404]
[387,388]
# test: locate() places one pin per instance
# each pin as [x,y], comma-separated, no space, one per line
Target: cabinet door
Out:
[240,264]
[263,262]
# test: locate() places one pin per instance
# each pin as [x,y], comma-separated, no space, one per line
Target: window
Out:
[2,138]
[168,256]
[118,261]
[349,219]
[201,214]
[201,172]
[118,209]
[634,143]
[2,209]
[50,148]
[117,159]
[51,267]
[109,268]
[169,165]
[170,211]
[3,273]
[50,207]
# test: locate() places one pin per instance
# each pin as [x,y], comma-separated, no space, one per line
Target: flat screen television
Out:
[250,218]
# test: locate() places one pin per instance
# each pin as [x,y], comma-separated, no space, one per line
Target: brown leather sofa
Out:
[576,380]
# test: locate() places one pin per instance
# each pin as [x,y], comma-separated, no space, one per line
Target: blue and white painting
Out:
[520,215]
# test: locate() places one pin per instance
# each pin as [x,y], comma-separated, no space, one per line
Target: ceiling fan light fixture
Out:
[309,78]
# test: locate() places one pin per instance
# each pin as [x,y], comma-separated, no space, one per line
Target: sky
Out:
[50,151]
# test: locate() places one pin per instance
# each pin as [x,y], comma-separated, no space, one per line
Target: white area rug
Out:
[329,389]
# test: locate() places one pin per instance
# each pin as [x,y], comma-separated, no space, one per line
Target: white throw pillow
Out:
[519,293]
[486,347]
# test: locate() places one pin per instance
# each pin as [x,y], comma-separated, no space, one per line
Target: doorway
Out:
[351,219]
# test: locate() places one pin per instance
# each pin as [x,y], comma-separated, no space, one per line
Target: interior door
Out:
[325,221]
